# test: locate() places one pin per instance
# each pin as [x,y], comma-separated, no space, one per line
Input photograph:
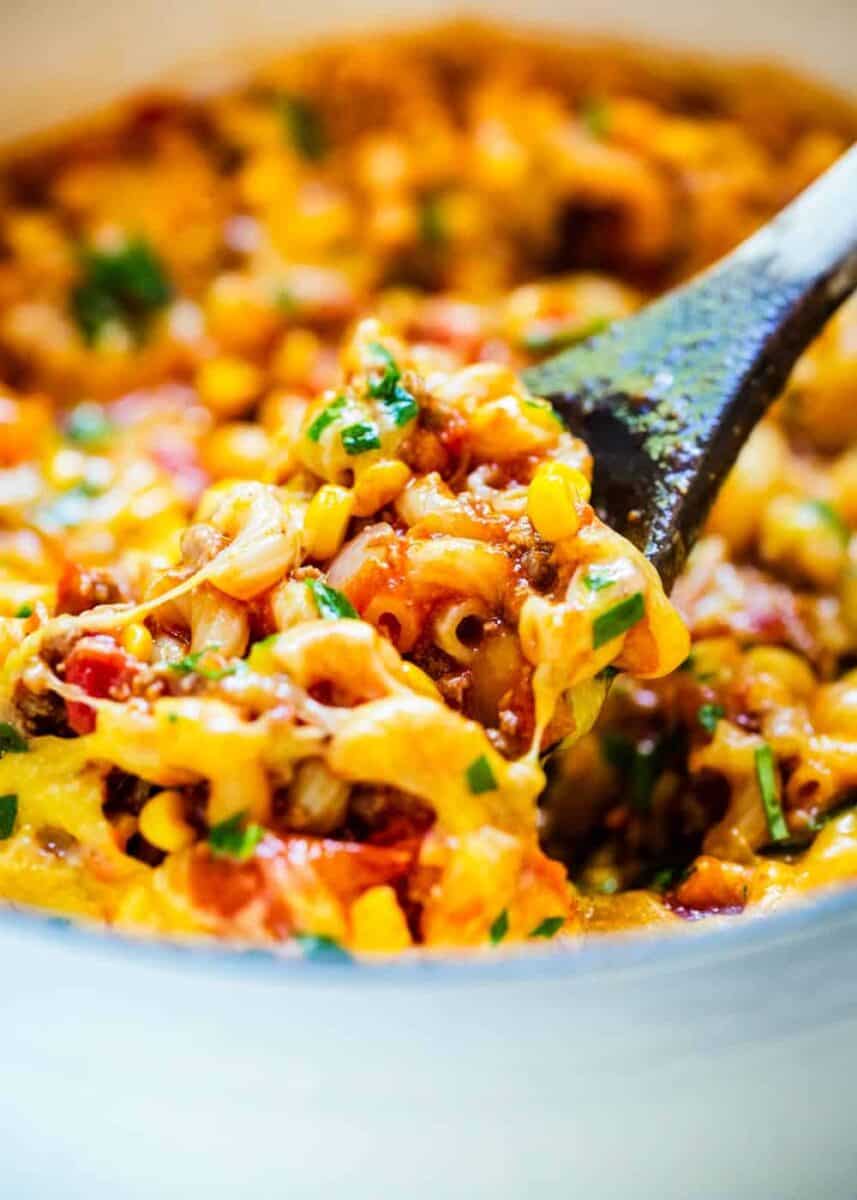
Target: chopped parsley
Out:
[233,838]
[88,425]
[596,117]
[831,518]
[326,417]
[8,815]
[401,405]
[548,927]
[395,398]
[708,716]
[11,741]
[480,777]
[26,610]
[303,126]
[766,775]
[331,603]
[127,285]
[190,665]
[617,620]
[321,946]
[360,437]
[499,927]
[598,578]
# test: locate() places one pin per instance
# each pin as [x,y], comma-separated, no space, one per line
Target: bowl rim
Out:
[675,951]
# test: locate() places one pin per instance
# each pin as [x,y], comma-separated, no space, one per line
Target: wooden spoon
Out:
[666,399]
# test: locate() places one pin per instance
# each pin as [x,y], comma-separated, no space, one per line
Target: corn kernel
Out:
[162,822]
[327,520]
[137,640]
[417,680]
[552,500]
[227,385]
[240,450]
[378,485]
[241,314]
[378,923]
[295,357]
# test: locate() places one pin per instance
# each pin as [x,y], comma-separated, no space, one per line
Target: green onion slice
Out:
[233,838]
[617,620]
[499,927]
[331,603]
[766,774]
[480,777]
[326,417]
[360,437]
[548,927]
[8,815]
[11,741]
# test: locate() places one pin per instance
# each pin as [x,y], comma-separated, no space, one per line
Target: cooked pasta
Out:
[306,618]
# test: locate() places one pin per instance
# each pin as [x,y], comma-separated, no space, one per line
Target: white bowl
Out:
[720,1065]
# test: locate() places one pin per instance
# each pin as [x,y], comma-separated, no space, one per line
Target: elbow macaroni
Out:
[293,608]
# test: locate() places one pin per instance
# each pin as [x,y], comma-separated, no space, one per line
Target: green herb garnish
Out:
[831,518]
[25,610]
[596,117]
[395,398]
[233,838]
[708,716]
[548,927]
[401,405]
[303,125]
[88,425]
[190,665]
[598,578]
[617,620]
[480,777]
[360,437]
[11,741]
[127,285]
[326,417]
[8,815]
[499,927]
[331,604]
[321,946]
[766,774]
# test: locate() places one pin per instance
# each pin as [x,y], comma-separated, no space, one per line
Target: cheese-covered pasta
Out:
[302,595]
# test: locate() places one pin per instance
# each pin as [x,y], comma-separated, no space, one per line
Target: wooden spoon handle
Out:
[667,398]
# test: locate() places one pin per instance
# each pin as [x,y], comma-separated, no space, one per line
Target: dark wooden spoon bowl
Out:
[666,399]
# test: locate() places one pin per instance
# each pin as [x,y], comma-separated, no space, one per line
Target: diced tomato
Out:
[99,667]
[712,886]
[282,867]
[347,868]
